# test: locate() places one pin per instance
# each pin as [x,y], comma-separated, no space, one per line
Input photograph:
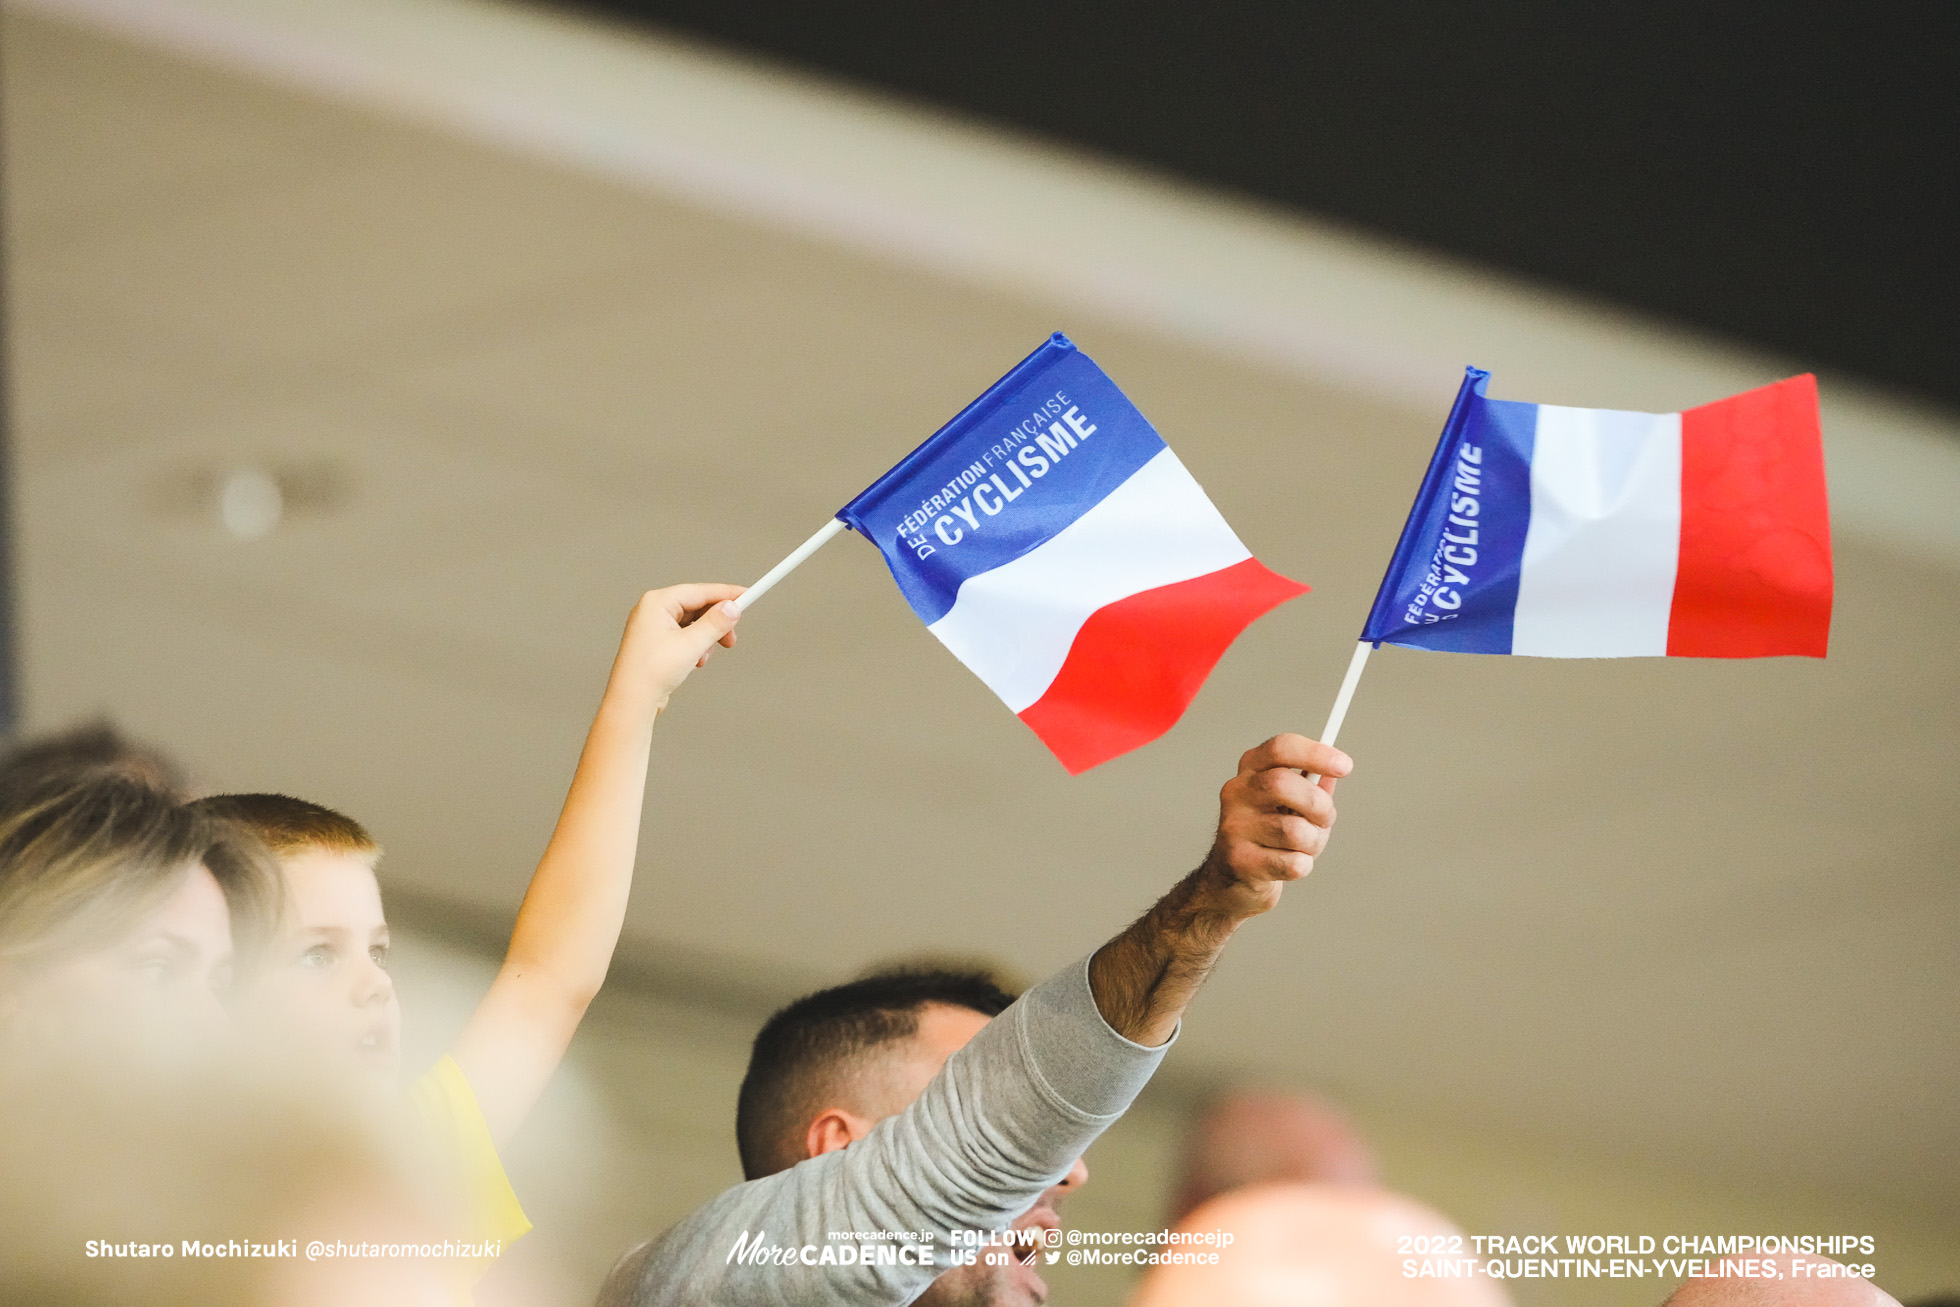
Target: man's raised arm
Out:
[1009,1113]
[1271,826]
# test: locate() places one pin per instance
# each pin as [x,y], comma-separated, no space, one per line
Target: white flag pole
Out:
[788,565]
[1343,699]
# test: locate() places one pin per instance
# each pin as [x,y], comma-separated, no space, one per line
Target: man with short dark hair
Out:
[886,1124]
[839,1046]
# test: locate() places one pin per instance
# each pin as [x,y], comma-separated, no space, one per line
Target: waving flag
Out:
[1592,533]
[1052,541]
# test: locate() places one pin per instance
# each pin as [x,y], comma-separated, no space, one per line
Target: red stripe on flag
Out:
[1136,664]
[1754,577]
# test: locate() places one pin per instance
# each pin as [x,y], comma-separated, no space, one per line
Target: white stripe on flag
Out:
[1597,576]
[1013,626]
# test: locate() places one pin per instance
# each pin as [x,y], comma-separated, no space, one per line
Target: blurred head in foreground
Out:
[829,1067]
[83,753]
[1795,1280]
[1249,1136]
[1298,1245]
[218,1166]
[1294,1184]
[324,996]
[123,918]
[128,1112]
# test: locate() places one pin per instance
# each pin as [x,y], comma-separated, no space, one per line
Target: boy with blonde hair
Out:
[326,995]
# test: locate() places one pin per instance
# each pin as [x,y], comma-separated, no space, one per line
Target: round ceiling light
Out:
[250,503]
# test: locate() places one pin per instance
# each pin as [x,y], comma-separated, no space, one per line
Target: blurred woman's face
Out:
[161,985]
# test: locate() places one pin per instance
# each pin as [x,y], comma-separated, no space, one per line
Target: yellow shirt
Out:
[445,1102]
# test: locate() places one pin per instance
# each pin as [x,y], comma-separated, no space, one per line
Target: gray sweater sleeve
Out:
[1002,1122]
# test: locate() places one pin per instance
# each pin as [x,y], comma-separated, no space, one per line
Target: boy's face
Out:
[326,985]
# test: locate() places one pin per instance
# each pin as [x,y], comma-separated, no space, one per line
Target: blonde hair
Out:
[81,864]
[288,826]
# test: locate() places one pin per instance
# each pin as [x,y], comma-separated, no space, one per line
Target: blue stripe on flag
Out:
[1452,585]
[1041,447]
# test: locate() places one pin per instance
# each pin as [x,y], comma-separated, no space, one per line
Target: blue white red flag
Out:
[1593,533]
[1052,541]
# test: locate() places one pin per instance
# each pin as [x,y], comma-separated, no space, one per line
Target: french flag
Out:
[1594,533]
[1055,544]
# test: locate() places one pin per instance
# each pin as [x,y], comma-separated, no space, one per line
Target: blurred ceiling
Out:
[1697,912]
[1778,176]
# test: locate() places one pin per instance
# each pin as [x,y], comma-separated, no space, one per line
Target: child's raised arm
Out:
[570,921]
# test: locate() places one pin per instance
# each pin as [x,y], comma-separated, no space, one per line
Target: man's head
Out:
[855,1053]
[828,1068]
[325,989]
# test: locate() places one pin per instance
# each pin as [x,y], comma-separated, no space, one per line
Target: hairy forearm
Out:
[1145,977]
[1272,822]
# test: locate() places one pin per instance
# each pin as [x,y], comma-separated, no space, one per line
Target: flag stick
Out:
[788,565]
[1343,699]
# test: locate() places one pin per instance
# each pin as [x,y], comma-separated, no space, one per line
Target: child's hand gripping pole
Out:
[790,564]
